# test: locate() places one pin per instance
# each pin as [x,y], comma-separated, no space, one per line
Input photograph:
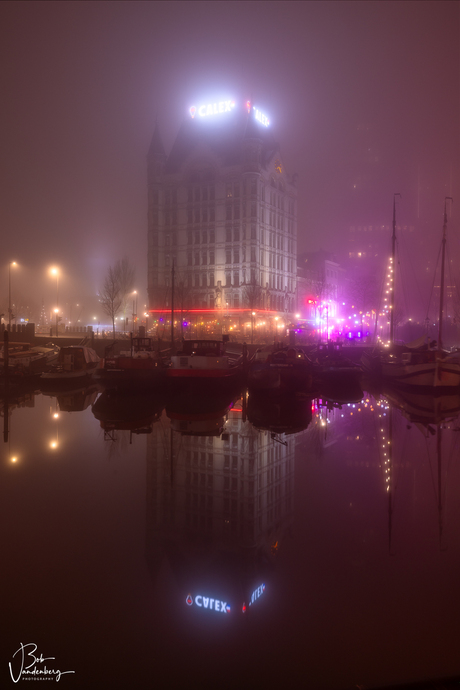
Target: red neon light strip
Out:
[211,311]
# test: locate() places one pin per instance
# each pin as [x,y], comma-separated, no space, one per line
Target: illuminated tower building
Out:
[222,209]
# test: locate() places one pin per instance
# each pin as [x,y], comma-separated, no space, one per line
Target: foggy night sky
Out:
[363,93]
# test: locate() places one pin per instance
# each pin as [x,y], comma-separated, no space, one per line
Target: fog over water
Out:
[363,98]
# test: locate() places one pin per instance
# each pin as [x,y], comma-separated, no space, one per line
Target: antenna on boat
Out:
[393,254]
[441,299]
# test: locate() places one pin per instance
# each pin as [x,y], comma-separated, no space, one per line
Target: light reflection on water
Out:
[325,536]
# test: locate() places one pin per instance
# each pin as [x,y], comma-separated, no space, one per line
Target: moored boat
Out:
[423,365]
[203,366]
[140,368]
[23,358]
[75,363]
[279,371]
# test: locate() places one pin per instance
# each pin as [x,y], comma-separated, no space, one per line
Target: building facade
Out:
[222,222]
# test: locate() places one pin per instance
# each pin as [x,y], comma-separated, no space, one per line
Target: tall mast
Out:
[393,264]
[443,259]
[172,309]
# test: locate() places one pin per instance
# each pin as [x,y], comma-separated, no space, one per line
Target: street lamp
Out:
[12,263]
[134,311]
[56,311]
[54,271]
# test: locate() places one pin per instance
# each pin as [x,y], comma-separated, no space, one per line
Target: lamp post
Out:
[134,311]
[55,272]
[12,263]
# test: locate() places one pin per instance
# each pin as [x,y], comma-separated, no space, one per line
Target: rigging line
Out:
[405,303]
[454,282]
[408,253]
[434,280]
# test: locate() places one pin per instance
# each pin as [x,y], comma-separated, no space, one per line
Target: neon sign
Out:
[260,117]
[257,593]
[212,108]
[208,603]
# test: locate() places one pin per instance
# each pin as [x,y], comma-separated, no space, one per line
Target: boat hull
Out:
[438,375]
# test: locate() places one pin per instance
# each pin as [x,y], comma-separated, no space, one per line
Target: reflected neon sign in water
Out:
[208,603]
[257,593]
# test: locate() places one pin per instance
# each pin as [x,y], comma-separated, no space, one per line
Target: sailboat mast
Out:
[172,308]
[443,260]
[393,255]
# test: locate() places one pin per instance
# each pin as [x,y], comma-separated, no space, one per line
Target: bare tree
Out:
[111,295]
[125,273]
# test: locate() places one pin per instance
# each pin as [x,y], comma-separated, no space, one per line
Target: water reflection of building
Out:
[218,507]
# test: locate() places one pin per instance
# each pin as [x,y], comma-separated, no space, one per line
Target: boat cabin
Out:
[76,358]
[202,348]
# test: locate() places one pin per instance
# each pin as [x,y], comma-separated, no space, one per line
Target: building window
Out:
[228,280]
[205,215]
[205,237]
[204,259]
[189,258]
[228,256]
[203,280]
[253,232]
[236,235]
[236,280]
[167,260]
[212,236]
[205,194]
[237,212]
[211,258]
[212,215]
[197,238]
[228,234]
[197,194]
[229,193]
[197,259]
[253,254]
[197,215]
[189,215]
[236,256]
[197,280]
[211,280]
[228,212]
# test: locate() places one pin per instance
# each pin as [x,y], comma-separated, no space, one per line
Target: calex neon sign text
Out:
[212,108]
[260,117]
[256,594]
[208,603]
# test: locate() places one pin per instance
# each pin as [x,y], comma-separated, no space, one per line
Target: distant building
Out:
[222,210]
[319,288]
